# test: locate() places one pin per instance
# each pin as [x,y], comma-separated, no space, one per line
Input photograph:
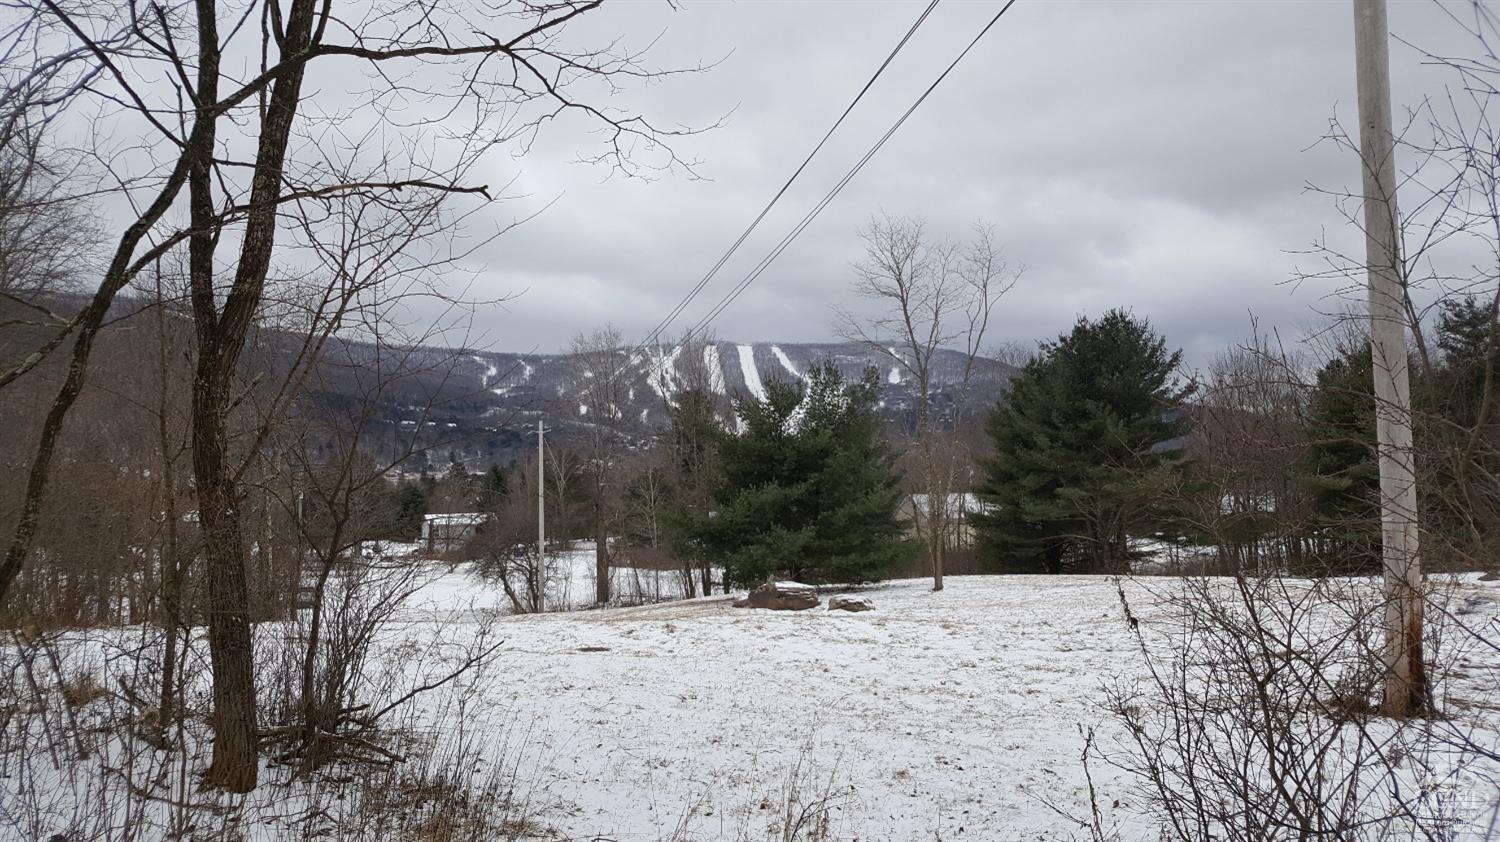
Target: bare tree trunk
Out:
[933,294]
[234,767]
[173,567]
[601,548]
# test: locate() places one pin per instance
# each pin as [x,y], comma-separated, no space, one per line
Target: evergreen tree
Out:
[1460,435]
[411,508]
[1338,466]
[493,486]
[1084,442]
[807,489]
[693,473]
[1463,335]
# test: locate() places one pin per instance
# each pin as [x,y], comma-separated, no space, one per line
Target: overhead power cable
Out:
[807,220]
[666,322]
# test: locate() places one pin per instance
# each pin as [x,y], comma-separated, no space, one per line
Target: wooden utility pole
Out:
[541,498]
[1405,686]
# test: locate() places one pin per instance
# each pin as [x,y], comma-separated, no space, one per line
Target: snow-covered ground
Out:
[946,715]
[569,576]
[952,715]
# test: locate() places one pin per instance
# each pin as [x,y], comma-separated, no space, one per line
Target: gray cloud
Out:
[1149,155]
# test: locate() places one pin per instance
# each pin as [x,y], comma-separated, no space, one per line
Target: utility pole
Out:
[541,497]
[1405,685]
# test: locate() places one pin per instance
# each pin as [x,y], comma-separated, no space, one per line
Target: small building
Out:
[959,531]
[446,532]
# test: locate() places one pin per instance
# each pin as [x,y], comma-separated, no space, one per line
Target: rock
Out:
[850,603]
[1490,576]
[781,596]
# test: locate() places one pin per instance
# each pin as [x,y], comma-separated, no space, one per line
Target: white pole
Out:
[541,497]
[1405,690]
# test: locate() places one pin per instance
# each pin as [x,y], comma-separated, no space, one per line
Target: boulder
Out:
[850,603]
[781,596]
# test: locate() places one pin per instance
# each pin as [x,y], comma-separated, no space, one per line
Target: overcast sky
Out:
[1151,155]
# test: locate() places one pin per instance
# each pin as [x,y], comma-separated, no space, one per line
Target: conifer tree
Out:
[411,509]
[1337,467]
[693,472]
[807,489]
[1084,442]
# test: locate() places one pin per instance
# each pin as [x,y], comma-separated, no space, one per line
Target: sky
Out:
[1148,155]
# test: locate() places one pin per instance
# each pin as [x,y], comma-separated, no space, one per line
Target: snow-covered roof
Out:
[457,519]
[958,504]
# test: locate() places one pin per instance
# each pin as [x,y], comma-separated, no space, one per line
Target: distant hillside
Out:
[481,406]
[486,403]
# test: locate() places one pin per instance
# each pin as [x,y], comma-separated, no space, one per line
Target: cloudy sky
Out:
[1152,155]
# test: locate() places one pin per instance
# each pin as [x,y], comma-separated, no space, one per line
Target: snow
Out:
[894,378]
[569,578]
[457,519]
[489,371]
[958,504]
[938,712]
[949,715]
[752,374]
[785,361]
[715,368]
[661,375]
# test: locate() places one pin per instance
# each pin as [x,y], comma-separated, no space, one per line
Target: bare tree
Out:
[509,84]
[695,397]
[933,296]
[601,374]
[45,234]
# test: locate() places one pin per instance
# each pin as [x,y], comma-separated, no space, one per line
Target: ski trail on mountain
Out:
[661,377]
[785,361]
[715,368]
[752,374]
[489,370]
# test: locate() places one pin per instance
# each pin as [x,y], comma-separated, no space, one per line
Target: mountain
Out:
[478,407]
[481,407]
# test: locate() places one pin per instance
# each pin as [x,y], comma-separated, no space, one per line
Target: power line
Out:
[813,214]
[688,299]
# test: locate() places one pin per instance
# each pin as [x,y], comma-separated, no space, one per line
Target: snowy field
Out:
[948,716]
[953,715]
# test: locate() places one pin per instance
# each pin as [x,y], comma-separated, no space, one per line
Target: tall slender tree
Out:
[933,295]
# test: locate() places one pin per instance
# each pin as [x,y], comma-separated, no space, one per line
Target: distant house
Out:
[959,530]
[446,532]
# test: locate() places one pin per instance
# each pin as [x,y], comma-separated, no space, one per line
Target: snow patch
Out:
[715,368]
[661,374]
[752,374]
[894,378]
[489,371]
[786,363]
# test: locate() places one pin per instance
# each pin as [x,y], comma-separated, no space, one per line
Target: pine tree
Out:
[692,474]
[1338,467]
[493,486]
[808,489]
[1084,443]
[411,508]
